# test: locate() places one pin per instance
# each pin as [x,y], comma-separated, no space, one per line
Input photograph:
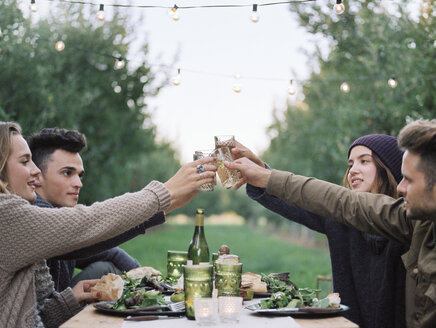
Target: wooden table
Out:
[90,318]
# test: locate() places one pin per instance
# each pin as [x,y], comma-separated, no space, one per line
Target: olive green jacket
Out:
[377,214]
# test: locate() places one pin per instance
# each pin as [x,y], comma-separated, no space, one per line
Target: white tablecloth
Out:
[246,320]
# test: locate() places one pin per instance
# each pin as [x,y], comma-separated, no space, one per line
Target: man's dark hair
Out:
[419,137]
[46,142]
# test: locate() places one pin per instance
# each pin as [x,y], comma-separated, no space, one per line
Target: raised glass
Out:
[228,178]
[202,154]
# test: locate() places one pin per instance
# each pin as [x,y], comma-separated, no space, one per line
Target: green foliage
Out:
[80,89]
[260,252]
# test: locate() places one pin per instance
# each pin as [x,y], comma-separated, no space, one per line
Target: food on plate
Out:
[110,286]
[178,297]
[252,281]
[288,295]
[148,276]
[141,272]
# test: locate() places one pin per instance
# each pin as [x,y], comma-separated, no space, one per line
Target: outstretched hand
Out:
[82,291]
[188,178]
[240,151]
[250,172]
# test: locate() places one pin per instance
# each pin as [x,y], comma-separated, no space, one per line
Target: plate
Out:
[106,308]
[298,312]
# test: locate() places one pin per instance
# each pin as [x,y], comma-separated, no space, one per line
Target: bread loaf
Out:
[111,287]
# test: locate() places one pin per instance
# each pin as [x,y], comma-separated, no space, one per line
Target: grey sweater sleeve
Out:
[39,233]
[59,308]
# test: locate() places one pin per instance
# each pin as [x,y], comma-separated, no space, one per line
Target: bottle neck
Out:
[199,220]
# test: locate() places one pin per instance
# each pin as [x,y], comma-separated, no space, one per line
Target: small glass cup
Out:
[206,311]
[201,154]
[229,308]
[198,284]
[228,278]
[176,261]
[225,141]
[228,178]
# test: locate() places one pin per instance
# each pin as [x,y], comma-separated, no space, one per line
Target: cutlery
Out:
[149,317]
[174,307]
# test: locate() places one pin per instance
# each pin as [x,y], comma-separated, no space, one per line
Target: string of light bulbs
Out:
[173,11]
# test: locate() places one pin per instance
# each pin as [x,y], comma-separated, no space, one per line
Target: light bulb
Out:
[32,6]
[339,7]
[236,86]
[119,63]
[59,45]
[174,13]
[254,15]
[291,90]
[100,13]
[392,82]
[176,80]
[345,87]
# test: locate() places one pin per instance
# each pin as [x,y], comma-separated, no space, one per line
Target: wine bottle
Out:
[198,251]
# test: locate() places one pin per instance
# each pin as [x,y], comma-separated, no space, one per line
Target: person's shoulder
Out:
[41,202]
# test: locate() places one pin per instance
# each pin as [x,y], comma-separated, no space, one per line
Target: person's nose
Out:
[401,188]
[78,182]
[35,171]
[354,168]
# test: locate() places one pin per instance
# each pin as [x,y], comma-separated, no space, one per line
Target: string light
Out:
[174,14]
[119,63]
[59,45]
[339,7]
[345,87]
[392,82]
[237,86]
[176,80]
[100,13]
[291,89]
[33,8]
[254,15]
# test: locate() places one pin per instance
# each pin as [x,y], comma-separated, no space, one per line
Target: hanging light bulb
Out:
[339,7]
[174,13]
[254,15]
[237,86]
[176,80]
[119,63]
[345,87]
[100,13]
[59,45]
[32,6]
[291,90]
[392,82]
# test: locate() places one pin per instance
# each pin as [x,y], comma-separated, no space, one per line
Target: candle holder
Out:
[228,278]
[229,308]
[176,261]
[206,311]
[198,284]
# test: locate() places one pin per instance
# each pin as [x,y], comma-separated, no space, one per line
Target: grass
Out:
[258,251]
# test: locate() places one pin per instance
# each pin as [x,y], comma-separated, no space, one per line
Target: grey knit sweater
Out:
[29,234]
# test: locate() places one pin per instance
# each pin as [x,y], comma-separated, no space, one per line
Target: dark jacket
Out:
[62,267]
[376,214]
[367,270]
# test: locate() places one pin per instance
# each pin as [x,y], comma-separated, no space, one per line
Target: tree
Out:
[79,88]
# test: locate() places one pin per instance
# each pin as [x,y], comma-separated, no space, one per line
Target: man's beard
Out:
[421,214]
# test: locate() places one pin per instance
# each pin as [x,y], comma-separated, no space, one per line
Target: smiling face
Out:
[362,173]
[21,172]
[419,198]
[61,181]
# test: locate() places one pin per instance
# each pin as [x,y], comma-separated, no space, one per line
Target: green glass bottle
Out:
[198,251]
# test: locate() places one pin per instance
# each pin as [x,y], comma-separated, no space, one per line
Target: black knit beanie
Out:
[387,150]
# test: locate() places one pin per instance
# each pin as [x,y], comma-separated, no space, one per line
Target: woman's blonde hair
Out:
[7,130]
[385,182]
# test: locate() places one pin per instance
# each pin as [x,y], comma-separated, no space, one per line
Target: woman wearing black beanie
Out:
[367,270]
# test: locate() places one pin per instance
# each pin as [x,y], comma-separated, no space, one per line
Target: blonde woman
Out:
[30,234]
